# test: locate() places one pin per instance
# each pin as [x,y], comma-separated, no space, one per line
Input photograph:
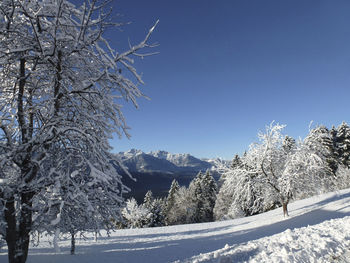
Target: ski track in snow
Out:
[318,230]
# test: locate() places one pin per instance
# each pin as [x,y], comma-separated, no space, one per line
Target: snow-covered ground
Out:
[317,230]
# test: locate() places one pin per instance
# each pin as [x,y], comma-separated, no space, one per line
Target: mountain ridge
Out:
[156,170]
[161,161]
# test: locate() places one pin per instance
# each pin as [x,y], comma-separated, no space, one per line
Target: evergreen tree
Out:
[155,215]
[196,192]
[334,133]
[194,204]
[342,142]
[288,144]
[202,191]
[209,191]
[170,201]
[148,200]
[236,162]
[320,141]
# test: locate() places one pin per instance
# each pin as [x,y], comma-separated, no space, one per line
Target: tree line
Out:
[183,205]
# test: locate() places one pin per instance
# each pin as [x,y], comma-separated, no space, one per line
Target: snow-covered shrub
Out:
[136,216]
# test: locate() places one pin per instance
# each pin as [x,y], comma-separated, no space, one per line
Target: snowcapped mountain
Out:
[155,171]
[182,160]
[161,161]
[138,161]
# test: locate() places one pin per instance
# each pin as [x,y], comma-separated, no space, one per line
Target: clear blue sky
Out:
[227,68]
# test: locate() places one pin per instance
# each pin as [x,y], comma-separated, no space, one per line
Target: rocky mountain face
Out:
[155,171]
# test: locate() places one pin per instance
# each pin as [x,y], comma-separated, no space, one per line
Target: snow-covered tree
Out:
[61,88]
[242,194]
[320,140]
[274,169]
[170,202]
[148,200]
[147,214]
[288,144]
[197,200]
[342,178]
[290,173]
[342,144]
[209,191]
[236,162]
[203,192]
[223,202]
[156,215]
[193,204]
[183,211]
[155,208]
[134,214]
[71,202]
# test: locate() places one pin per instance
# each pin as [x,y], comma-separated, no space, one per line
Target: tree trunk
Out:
[72,248]
[285,209]
[19,224]
[17,238]
[11,234]
[25,224]
[55,240]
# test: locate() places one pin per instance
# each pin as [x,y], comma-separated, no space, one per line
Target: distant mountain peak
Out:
[181,159]
[162,161]
[134,151]
[159,154]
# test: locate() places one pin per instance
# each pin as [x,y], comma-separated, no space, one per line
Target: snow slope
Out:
[318,230]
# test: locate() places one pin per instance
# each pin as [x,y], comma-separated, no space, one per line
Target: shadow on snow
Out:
[181,245]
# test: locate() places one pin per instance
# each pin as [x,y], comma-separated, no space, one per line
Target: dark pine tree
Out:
[342,143]
[209,191]
[321,141]
[170,201]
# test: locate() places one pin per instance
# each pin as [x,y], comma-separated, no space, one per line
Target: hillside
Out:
[318,229]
